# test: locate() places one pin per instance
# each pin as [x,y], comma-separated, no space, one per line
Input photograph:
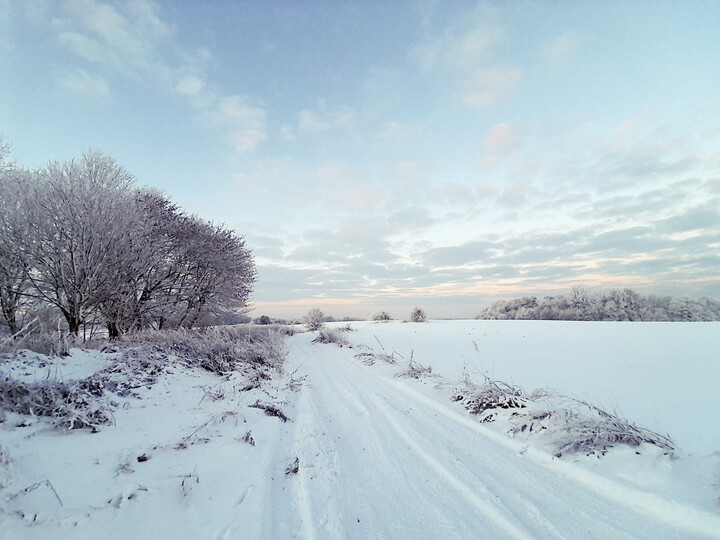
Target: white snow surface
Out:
[662,376]
[378,456]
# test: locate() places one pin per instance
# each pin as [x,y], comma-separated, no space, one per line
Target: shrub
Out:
[578,427]
[313,319]
[333,335]
[417,315]
[37,337]
[222,349]
[73,405]
[382,316]
[490,396]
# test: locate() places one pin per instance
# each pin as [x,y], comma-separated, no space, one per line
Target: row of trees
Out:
[616,305]
[80,236]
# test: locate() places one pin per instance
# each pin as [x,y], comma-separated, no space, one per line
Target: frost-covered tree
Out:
[80,236]
[79,226]
[417,315]
[182,269]
[13,231]
[616,305]
[313,319]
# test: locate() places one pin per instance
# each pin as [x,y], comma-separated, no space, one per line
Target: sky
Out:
[380,155]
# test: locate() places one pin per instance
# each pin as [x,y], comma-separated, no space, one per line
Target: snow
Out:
[378,456]
[662,376]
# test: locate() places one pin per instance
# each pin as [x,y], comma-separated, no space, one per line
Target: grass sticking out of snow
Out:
[570,426]
[140,360]
[336,336]
[223,349]
[73,405]
[414,370]
[577,427]
[369,355]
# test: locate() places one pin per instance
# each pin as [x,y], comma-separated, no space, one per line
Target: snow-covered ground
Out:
[662,376]
[367,454]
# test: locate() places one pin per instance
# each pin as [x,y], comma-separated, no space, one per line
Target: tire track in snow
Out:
[493,510]
[406,495]
[694,521]
[489,510]
[330,481]
[348,392]
[320,487]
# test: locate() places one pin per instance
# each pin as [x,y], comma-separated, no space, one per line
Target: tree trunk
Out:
[113,331]
[74,322]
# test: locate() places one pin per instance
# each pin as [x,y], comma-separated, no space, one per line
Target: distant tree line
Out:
[82,239]
[616,305]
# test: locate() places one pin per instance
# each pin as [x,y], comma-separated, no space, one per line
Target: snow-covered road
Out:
[382,457]
[378,456]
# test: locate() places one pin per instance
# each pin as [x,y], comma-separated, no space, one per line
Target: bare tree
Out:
[79,226]
[13,268]
[178,270]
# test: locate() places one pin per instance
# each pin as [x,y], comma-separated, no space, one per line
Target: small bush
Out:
[578,427]
[313,319]
[382,316]
[485,399]
[73,406]
[333,335]
[417,315]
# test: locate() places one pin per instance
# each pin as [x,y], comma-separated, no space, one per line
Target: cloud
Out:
[85,85]
[459,48]
[244,124]
[326,119]
[190,85]
[502,138]
[562,46]
[467,58]
[398,131]
[129,38]
[491,85]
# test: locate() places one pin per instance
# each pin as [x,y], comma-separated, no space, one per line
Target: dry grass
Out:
[335,336]
[37,337]
[270,410]
[415,370]
[578,427]
[74,405]
[571,426]
[144,358]
[369,356]
[486,399]
[220,350]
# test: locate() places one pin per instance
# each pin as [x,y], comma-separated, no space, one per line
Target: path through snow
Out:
[382,457]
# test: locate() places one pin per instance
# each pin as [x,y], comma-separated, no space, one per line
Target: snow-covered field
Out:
[367,454]
[662,376]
